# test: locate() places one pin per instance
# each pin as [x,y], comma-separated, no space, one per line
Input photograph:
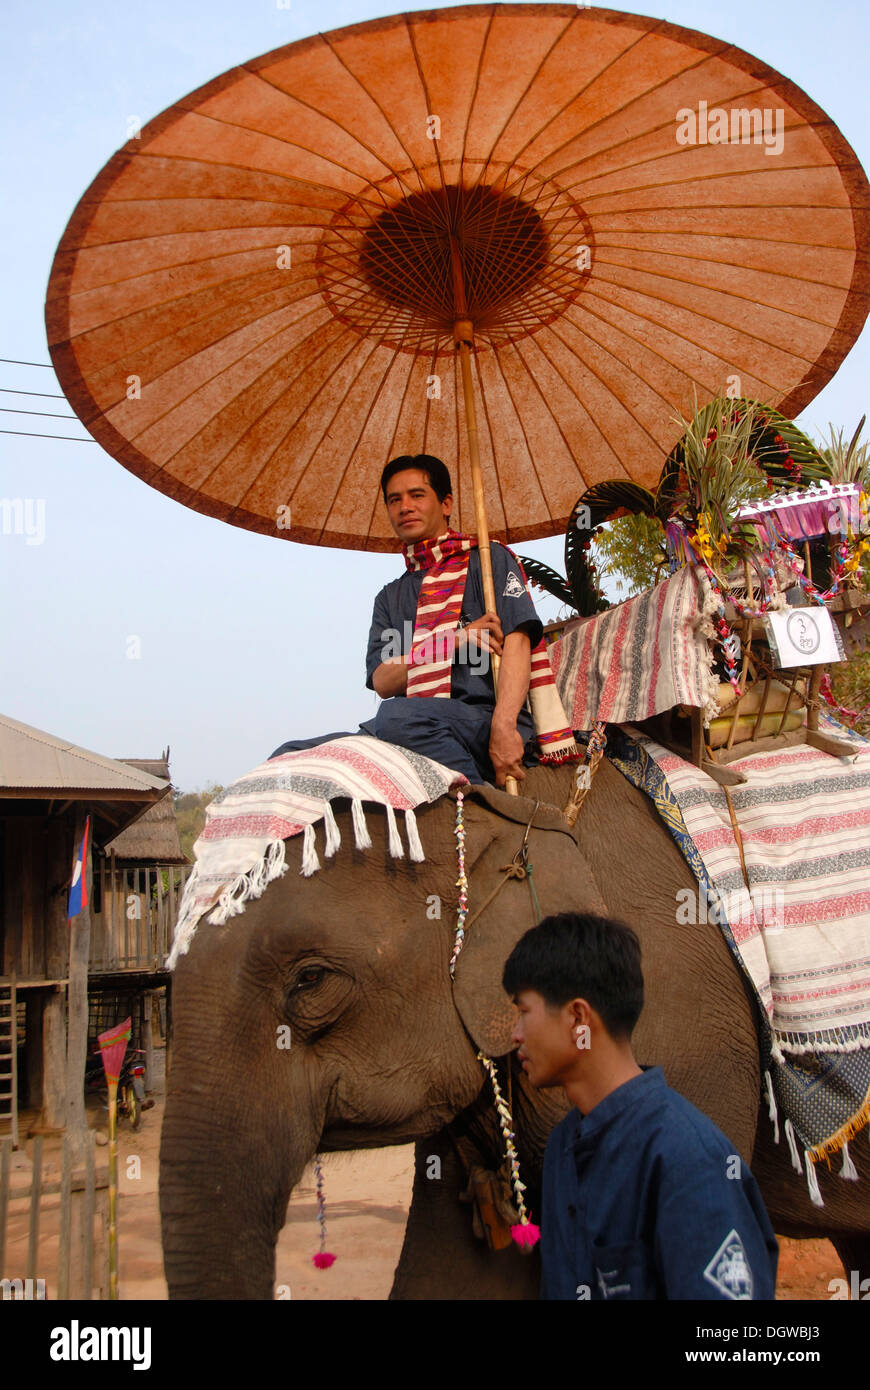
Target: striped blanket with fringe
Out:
[642,657]
[801,931]
[241,848]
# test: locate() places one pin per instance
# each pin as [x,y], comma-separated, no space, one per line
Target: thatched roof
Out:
[153,839]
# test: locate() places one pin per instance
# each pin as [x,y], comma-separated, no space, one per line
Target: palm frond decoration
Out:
[606,501]
[731,450]
[783,453]
[847,463]
[599,504]
[539,573]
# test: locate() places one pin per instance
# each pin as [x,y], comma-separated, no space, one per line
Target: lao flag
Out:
[78,891]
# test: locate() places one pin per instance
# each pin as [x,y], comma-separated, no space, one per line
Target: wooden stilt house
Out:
[47,785]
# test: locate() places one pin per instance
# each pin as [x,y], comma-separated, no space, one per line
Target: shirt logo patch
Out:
[729,1271]
[513,588]
[607,1289]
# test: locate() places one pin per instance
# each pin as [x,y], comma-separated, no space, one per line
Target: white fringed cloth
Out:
[642,657]
[241,849]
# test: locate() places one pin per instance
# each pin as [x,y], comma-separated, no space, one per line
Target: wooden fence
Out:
[54,1226]
[138,909]
[9,1058]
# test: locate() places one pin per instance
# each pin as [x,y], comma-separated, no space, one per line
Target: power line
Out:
[76,439]
[53,395]
[43,414]
[17,362]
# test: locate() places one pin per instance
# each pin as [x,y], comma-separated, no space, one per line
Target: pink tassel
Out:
[526,1234]
[323,1259]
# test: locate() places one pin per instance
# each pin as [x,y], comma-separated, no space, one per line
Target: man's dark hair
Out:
[435,470]
[576,955]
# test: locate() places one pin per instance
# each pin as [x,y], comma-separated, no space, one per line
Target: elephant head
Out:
[351,967]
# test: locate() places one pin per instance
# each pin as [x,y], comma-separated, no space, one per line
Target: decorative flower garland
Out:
[323,1259]
[525,1233]
[698,546]
[827,694]
[461,883]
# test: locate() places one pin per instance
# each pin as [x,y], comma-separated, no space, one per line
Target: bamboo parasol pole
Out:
[113,1189]
[463,336]
[113,1045]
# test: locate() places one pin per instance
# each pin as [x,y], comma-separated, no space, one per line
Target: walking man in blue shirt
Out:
[643,1197]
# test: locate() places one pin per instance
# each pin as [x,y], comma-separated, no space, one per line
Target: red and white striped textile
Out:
[439,608]
[802,931]
[642,657]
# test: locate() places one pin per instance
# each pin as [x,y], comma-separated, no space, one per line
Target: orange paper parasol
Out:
[258,301]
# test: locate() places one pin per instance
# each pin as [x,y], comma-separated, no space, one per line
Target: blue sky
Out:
[244,640]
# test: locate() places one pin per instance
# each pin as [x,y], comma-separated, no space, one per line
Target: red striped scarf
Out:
[433,645]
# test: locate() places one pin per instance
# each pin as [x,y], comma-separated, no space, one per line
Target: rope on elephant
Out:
[586,771]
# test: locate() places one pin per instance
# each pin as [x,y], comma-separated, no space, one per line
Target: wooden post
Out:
[141,898]
[77,1010]
[167,1044]
[53,1116]
[148,1038]
[53,1003]
[115,925]
[88,1219]
[813,697]
[31,1271]
[162,934]
[127,882]
[99,949]
[5,1166]
[63,1247]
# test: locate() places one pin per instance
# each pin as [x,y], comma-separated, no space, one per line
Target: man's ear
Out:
[495,823]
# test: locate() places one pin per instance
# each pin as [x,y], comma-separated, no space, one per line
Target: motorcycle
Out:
[131,1085]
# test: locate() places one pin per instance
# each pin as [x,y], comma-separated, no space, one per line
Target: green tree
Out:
[850,683]
[630,551]
[190,815]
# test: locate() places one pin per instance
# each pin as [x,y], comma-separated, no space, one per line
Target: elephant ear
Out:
[495,825]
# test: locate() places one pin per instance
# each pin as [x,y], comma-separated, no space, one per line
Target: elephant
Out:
[384,1046]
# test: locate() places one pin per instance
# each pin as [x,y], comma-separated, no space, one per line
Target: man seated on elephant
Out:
[643,1197]
[431,639]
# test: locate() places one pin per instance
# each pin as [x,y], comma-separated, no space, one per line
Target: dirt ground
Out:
[368,1195]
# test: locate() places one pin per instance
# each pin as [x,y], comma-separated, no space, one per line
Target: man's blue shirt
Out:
[644,1198]
[395,611]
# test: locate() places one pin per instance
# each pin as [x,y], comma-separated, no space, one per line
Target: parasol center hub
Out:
[456,263]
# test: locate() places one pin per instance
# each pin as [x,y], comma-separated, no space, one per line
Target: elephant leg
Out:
[854,1251]
[441,1257]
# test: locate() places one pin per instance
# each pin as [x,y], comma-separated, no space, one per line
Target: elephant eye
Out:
[311,975]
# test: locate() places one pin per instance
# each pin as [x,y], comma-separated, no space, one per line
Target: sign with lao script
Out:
[804,637]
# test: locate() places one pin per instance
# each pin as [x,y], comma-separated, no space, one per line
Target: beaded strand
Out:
[525,1233]
[461,883]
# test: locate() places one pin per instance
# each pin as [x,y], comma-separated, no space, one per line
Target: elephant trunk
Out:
[241,1123]
[224,1189]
